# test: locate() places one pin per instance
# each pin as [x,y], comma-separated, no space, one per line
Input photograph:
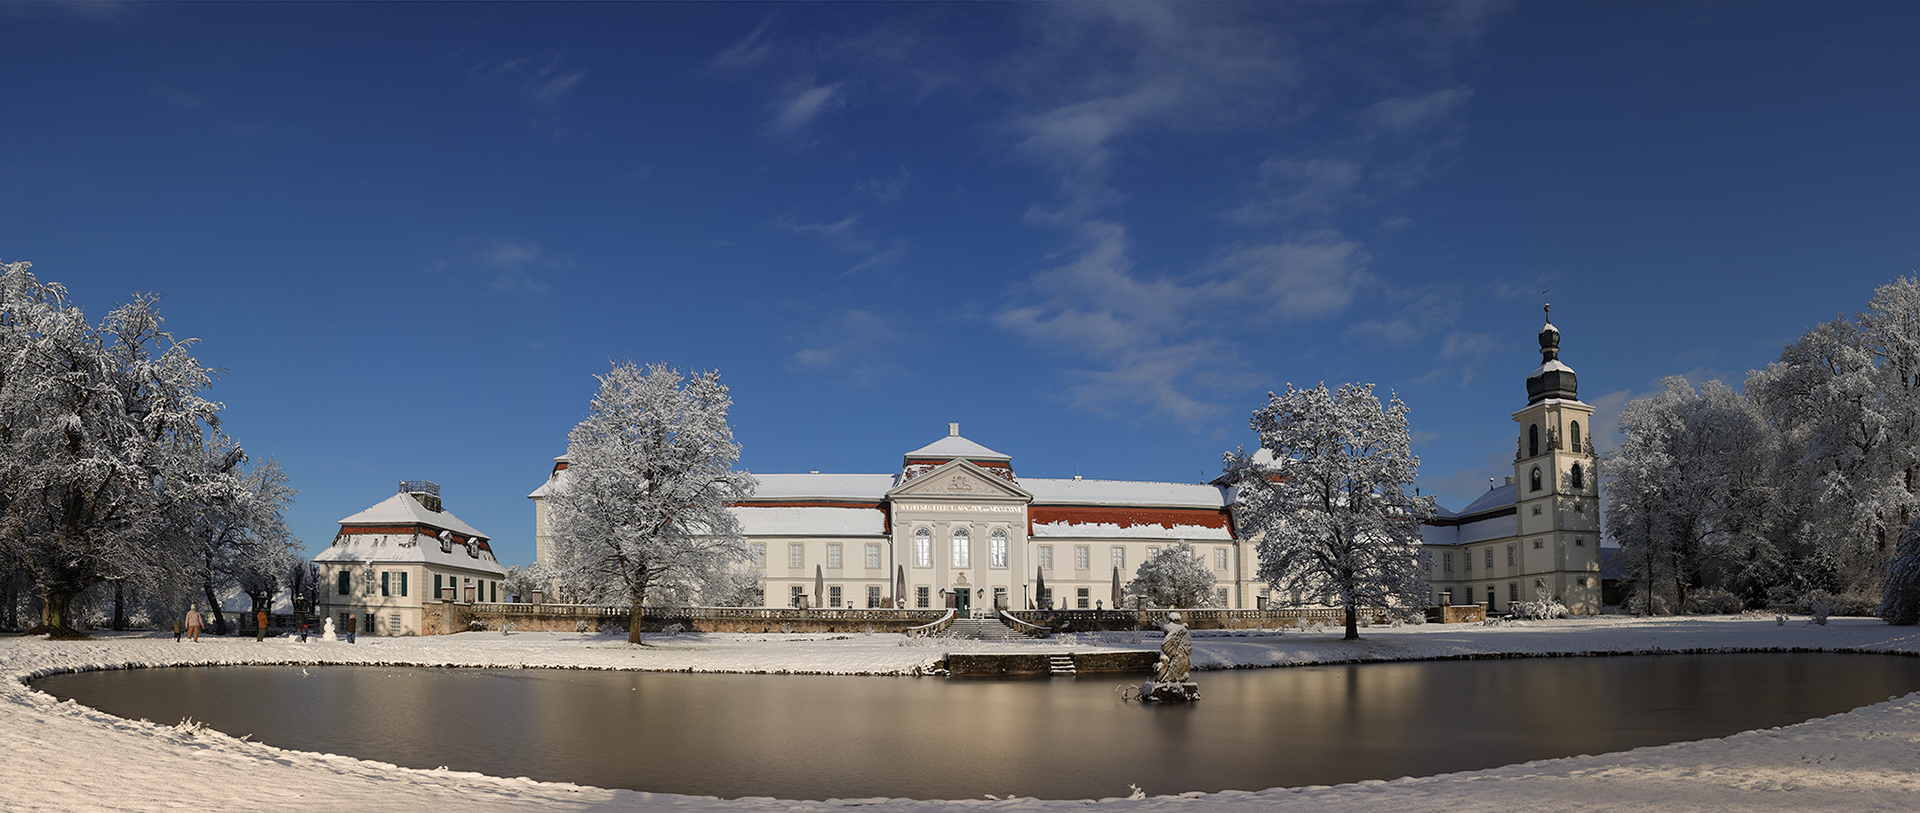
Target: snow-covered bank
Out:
[61,756]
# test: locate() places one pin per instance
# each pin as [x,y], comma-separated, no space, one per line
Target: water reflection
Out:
[823,737]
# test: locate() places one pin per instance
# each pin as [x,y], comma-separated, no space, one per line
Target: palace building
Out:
[955,526]
[1539,532]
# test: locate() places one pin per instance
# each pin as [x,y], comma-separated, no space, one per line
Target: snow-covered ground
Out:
[62,756]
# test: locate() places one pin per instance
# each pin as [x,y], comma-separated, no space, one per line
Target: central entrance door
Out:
[962,597]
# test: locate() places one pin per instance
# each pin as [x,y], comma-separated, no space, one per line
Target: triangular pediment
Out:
[959,480]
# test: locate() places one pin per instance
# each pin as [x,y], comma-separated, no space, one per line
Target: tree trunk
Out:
[1353,623]
[119,605]
[55,609]
[219,621]
[633,622]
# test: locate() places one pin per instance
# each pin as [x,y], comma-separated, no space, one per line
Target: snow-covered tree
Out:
[1333,514]
[1175,576]
[105,440]
[522,580]
[247,541]
[1900,593]
[650,474]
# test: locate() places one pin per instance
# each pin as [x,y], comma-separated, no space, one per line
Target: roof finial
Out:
[1547,304]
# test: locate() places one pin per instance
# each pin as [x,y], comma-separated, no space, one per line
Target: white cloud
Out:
[1402,115]
[802,105]
[540,82]
[505,267]
[750,52]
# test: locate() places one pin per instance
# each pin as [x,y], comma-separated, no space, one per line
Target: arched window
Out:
[923,548]
[1536,478]
[997,549]
[1579,476]
[1533,440]
[1576,440]
[962,548]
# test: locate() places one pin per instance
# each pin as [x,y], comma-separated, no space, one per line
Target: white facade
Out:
[954,526]
[388,561]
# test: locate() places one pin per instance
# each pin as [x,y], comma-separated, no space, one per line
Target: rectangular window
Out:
[962,551]
[1220,597]
[873,557]
[1489,558]
[1120,557]
[1152,551]
[1080,598]
[797,555]
[386,583]
[758,551]
[1513,591]
[1219,558]
[797,595]
[1466,561]
[922,551]
[1082,557]
[1509,556]
[1579,541]
[1046,557]
[346,583]
[393,624]
[873,596]
[997,552]
[922,597]
[1446,562]
[366,583]
[833,556]
[833,596]
[1536,544]
[1000,598]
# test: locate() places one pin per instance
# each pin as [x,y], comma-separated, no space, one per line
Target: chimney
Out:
[953,430]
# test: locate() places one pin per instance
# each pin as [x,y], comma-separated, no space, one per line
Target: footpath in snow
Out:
[66,757]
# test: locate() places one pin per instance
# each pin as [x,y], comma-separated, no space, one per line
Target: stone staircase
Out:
[981,629]
[1062,664]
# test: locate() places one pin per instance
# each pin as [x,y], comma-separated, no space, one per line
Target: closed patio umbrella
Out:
[900,586]
[1116,587]
[819,587]
[1040,589]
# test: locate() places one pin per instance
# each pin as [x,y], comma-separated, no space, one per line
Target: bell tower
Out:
[1557,489]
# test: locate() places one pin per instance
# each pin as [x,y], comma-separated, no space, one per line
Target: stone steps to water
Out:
[981,629]
[1061,664]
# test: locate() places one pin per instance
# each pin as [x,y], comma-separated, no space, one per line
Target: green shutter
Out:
[384,576]
[403,584]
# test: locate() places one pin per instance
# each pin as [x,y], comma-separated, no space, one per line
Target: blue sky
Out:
[1094,235]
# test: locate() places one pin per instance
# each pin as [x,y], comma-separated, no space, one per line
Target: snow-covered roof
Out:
[1546,367]
[1111,530]
[406,549]
[1124,492]
[401,509]
[807,521]
[1496,497]
[860,487]
[956,446]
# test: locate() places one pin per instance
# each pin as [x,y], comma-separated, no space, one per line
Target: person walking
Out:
[260,625]
[353,625]
[193,624]
[178,629]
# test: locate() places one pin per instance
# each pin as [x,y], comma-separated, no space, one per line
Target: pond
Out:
[815,737]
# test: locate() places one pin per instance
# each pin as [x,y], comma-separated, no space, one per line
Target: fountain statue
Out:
[328,635]
[1170,681]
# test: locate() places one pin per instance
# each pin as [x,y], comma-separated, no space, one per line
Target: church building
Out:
[1538,534]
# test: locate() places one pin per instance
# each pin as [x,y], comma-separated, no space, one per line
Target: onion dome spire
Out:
[1551,379]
